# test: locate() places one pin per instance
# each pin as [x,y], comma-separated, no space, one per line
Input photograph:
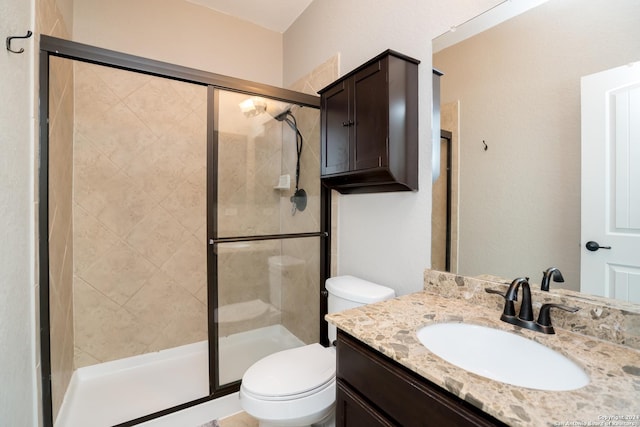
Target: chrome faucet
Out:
[551,273]
[524,319]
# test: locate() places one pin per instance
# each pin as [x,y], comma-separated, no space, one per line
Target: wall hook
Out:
[29,33]
[486,147]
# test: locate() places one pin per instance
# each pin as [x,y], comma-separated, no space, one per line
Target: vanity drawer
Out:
[401,395]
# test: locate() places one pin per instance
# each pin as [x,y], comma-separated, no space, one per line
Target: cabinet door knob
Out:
[348,123]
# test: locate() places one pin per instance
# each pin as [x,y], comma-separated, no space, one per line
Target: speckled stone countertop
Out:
[611,398]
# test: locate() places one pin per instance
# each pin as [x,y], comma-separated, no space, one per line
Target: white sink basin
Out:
[502,356]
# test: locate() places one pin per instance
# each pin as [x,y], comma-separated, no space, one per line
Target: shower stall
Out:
[187,233]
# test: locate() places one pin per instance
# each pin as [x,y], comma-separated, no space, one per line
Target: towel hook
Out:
[486,147]
[29,33]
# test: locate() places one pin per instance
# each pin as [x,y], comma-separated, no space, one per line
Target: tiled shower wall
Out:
[283,273]
[53,17]
[301,274]
[139,214]
[302,315]
[248,168]
[60,227]
[322,76]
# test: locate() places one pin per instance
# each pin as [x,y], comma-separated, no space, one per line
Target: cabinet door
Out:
[402,395]
[371,117]
[353,411]
[335,140]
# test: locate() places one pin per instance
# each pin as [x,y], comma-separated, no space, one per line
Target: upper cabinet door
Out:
[337,119]
[371,117]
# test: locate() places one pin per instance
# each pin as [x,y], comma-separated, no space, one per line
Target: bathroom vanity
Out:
[373,390]
[386,377]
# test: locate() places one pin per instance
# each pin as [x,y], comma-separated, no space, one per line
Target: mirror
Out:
[510,95]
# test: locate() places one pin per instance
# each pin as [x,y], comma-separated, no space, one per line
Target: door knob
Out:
[594,246]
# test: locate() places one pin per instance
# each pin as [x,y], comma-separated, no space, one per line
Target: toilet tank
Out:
[348,292]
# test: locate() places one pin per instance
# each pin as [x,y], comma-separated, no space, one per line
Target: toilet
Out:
[297,387]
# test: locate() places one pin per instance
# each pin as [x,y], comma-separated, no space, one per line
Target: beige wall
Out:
[139,214]
[518,85]
[61,250]
[303,317]
[183,33]
[383,237]
[55,18]
[284,274]
[449,114]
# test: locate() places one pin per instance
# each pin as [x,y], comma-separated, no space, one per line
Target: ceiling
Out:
[275,15]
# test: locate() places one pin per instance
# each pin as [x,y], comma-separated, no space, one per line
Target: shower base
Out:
[121,390]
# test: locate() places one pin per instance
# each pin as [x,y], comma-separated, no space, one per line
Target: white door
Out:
[611,183]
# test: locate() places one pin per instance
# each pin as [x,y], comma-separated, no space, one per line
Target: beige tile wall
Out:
[300,282]
[285,273]
[49,20]
[139,214]
[60,227]
[139,209]
[321,76]
[301,298]
[249,164]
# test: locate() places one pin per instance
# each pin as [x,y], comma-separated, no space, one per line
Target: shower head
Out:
[299,198]
[280,117]
[253,106]
[279,110]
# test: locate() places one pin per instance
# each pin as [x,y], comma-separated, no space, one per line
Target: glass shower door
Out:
[265,231]
[127,210]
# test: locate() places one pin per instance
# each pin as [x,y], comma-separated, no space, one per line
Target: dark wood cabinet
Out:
[374,390]
[370,127]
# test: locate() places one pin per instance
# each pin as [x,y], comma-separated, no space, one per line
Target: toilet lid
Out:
[291,372]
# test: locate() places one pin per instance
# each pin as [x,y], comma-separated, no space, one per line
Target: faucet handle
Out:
[509,309]
[495,291]
[544,317]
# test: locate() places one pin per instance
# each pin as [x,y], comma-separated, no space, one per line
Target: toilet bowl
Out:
[297,387]
[294,387]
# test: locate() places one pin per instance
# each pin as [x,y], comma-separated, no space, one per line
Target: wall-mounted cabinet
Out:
[370,127]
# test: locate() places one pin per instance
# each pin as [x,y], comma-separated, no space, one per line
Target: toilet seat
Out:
[291,374]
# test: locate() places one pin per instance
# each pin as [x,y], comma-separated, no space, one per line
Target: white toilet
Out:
[297,387]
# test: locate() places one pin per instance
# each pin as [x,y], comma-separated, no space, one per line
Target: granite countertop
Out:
[612,396]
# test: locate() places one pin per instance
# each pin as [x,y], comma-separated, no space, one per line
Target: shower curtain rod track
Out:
[267,237]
